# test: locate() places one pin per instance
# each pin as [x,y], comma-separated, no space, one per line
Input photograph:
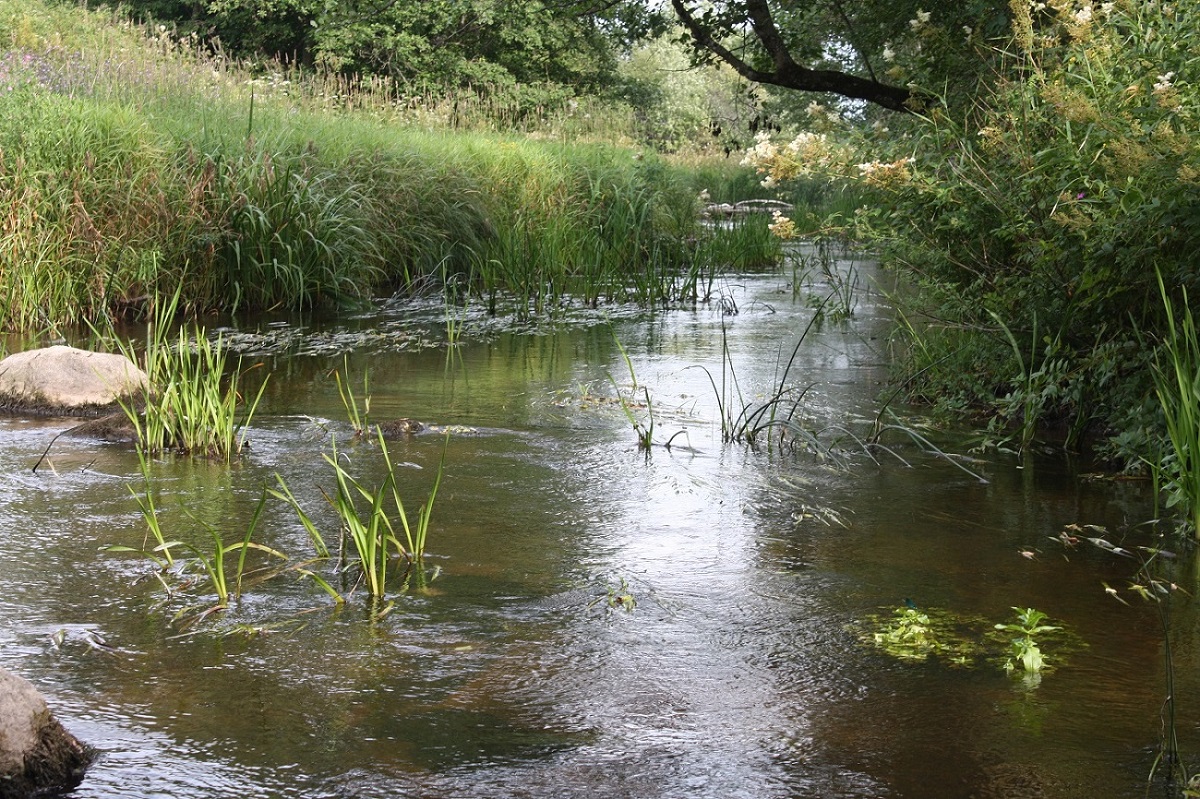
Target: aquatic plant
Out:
[1177,382]
[193,405]
[1025,651]
[365,513]
[1149,582]
[416,535]
[146,504]
[198,399]
[617,596]
[910,633]
[370,532]
[213,561]
[909,636]
[359,418]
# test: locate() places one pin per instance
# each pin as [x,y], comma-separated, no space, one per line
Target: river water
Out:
[746,667]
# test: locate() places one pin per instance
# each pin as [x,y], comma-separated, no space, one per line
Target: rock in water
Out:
[67,379]
[37,754]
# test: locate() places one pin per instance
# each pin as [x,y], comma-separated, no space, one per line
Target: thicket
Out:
[133,163]
[1034,217]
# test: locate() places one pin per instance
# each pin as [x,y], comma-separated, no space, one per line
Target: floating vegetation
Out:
[913,634]
[282,339]
[618,596]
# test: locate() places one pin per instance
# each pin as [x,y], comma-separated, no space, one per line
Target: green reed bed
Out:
[134,164]
[193,405]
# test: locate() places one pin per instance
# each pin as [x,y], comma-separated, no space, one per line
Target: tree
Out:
[435,44]
[833,46]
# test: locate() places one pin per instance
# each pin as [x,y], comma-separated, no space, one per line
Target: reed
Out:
[415,535]
[370,533]
[359,417]
[212,562]
[1177,382]
[193,405]
[160,553]
[365,515]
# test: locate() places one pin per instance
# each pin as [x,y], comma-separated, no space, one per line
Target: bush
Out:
[1036,217]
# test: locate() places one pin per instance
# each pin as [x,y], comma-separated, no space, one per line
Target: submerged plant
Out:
[912,634]
[909,636]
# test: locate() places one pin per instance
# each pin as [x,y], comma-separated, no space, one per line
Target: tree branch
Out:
[786,73]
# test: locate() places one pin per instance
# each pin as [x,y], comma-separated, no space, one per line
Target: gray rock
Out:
[37,754]
[67,379]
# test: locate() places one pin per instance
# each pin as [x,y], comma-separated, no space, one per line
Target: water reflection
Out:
[739,674]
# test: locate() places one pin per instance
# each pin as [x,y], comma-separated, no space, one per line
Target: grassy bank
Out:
[131,164]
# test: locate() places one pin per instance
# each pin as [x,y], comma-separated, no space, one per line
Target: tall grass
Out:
[132,164]
[1177,382]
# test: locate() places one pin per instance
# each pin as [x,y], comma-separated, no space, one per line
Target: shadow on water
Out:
[742,671]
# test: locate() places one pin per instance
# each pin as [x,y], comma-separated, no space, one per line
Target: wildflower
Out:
[1084,15]
[1107,8]
[888,53]
[781,226]
[921,20]
[967,31]
[1164,82]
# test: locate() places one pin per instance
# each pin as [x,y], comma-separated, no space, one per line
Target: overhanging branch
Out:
[786,72]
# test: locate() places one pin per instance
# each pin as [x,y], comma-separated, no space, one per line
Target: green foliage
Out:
[1177,380]
[1036,215]
[618,596]
[365,514]
[1025,653]
[211,562]
[193,405]
[303,190]
[677,108]
[912,634]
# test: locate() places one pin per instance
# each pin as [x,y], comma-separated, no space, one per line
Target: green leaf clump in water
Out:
[910,633]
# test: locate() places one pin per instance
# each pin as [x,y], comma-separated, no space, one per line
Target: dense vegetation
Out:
[134,163]
[1036,182]
[1050,223]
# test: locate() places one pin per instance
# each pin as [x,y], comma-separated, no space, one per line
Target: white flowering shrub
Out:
[1049,203]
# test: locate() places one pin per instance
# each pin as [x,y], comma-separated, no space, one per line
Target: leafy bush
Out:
[1036,217]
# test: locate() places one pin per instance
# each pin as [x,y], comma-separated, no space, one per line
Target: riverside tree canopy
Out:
[827,46]
[431,43]
[841,47]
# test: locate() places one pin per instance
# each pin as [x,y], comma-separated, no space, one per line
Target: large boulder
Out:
[37,754]
[68,380]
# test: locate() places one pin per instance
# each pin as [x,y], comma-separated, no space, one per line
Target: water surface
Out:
[742,670]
